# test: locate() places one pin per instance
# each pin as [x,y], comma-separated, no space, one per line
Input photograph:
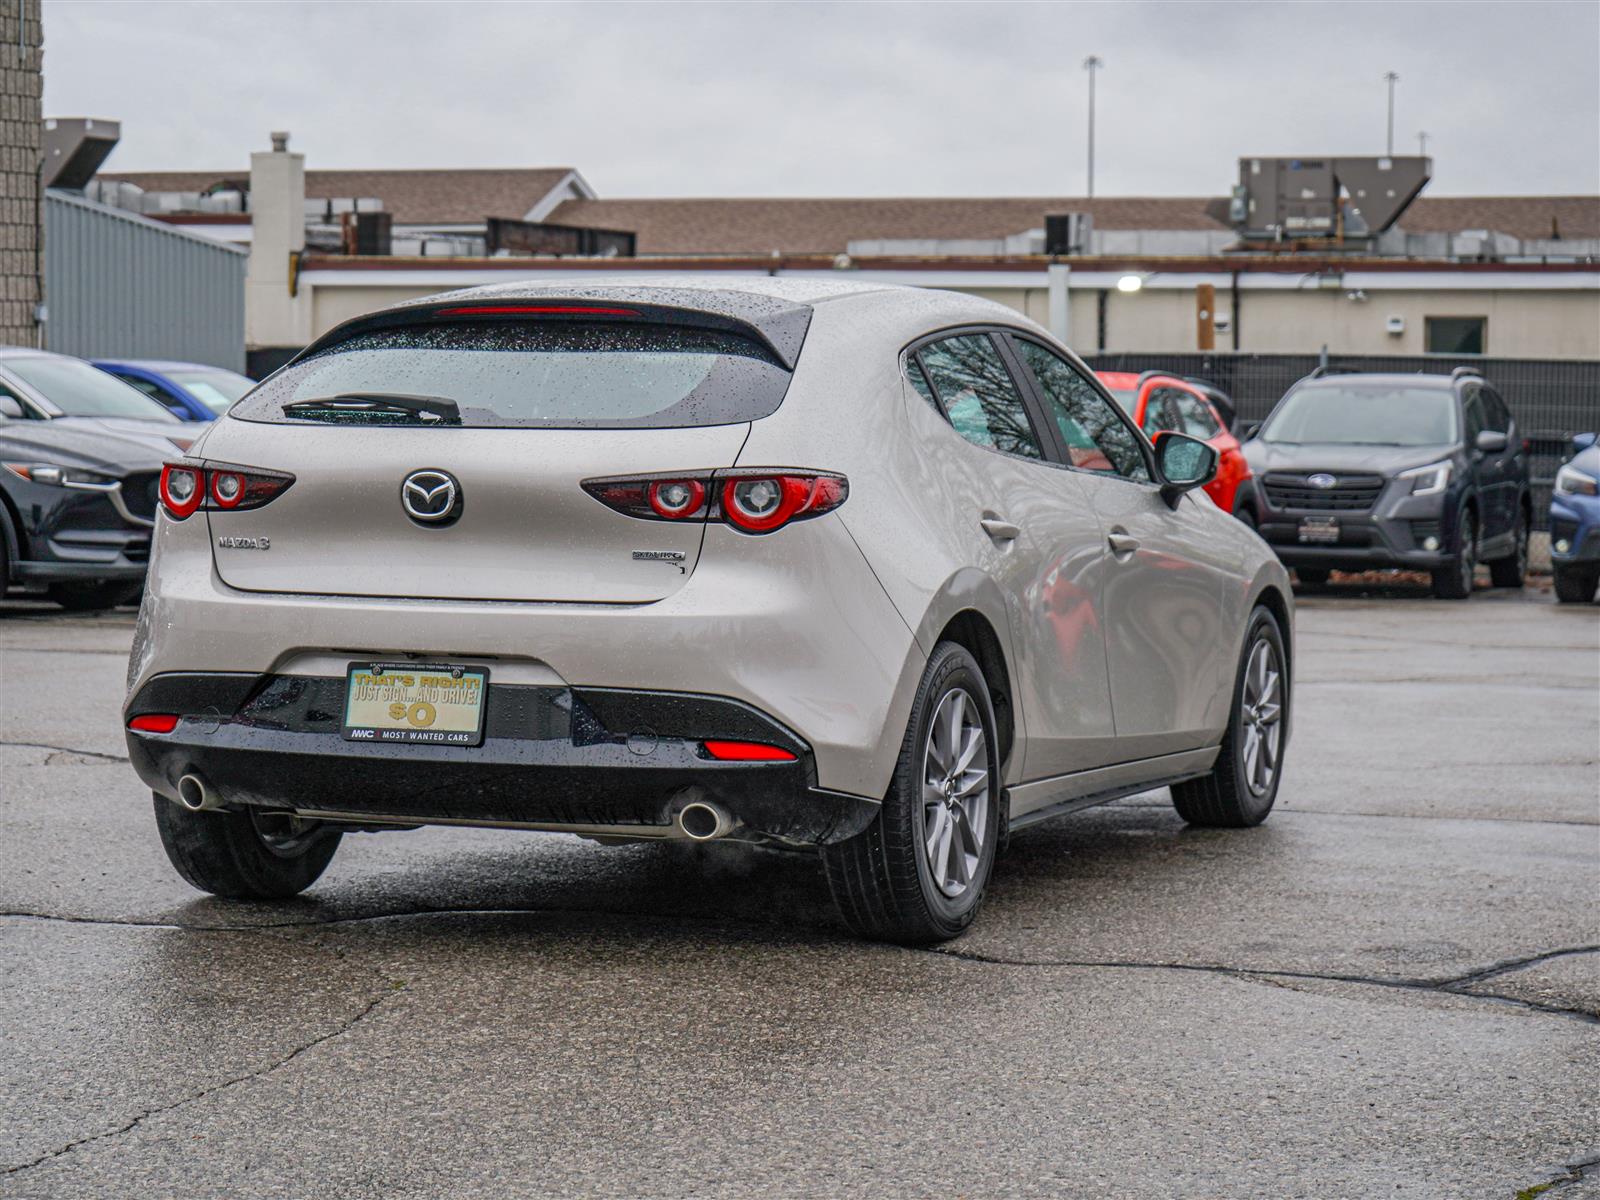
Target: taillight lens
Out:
[182,489]
[751,500]
[186,487]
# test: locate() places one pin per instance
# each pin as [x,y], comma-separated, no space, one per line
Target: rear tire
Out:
[1454,582]
[1508,572]
[1576,584]
[90,597]
[918,873]
[1243,784]
[242,855]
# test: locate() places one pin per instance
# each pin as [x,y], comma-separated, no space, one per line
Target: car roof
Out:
[1392,379]
[159,365]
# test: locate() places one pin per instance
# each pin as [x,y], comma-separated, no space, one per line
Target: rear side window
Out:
[980,398]
[561,374]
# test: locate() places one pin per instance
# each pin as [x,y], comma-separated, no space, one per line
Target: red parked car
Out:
[1158,402]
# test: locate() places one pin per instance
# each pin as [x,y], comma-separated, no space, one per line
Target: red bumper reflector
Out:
[154,723]
[747,752]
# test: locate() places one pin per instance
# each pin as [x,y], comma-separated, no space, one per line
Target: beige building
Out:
[1501,276]
[21,128]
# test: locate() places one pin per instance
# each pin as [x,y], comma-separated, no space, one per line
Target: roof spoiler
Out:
[779,325]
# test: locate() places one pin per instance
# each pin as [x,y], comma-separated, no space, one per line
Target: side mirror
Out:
[10,407]
[1248,430]
[1185,463]
[1491,441]
[1582,441]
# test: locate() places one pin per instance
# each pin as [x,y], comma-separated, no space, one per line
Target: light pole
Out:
[1092,64]
[1422,142]
[1393,79]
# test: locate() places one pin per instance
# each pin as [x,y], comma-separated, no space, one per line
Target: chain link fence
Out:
[1551,399]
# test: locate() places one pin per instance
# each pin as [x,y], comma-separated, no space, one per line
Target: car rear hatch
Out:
[441,455]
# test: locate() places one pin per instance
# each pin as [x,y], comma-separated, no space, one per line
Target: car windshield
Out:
[215,389]
[1364,415]
[562,374]
[80,390]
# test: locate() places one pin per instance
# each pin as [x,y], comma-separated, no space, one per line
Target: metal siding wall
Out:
[124,287]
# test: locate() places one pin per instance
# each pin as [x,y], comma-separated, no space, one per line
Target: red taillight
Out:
[154,723]
[676,499]
[182,489]
[750,500]
[535,310]
[227,488]
[747,752]
[186,487]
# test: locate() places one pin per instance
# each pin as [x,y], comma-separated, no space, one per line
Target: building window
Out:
[1456,335]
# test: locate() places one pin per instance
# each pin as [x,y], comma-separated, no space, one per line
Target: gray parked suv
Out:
[1426,472]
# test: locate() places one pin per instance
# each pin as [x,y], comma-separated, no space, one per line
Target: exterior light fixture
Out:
[1130,283]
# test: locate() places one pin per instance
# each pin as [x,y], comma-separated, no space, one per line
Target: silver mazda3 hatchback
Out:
[880,572]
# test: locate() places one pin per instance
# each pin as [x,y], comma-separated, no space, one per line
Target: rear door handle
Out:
[1122,544]
[999,530]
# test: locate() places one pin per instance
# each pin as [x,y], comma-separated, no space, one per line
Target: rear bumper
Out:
[589,760]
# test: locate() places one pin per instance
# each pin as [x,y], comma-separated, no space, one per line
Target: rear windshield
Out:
[560,374]
[1364,415]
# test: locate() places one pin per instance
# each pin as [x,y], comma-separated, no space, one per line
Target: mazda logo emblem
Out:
[1321,481]
[431,497]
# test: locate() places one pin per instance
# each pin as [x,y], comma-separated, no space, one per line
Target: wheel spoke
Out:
[973,743]
[1252,751]
[933,829]
[971,781]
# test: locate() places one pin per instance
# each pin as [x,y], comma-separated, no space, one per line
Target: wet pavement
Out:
[1390,989]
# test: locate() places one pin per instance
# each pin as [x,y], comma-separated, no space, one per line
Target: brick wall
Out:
[21,58]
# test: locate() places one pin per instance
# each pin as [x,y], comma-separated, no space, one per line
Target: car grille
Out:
[1349,493]
[141,493]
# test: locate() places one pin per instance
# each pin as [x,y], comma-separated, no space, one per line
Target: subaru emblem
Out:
[1321,480]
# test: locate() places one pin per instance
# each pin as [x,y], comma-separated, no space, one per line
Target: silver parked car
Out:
[881,572]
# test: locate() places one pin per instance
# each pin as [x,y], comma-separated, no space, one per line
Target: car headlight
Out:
[1572,482]
[57,476]
[1428,480]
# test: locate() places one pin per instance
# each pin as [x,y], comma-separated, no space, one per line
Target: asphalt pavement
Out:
[1391,989]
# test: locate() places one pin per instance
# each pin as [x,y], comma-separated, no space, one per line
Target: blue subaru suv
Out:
[1424,472]
[1575,523]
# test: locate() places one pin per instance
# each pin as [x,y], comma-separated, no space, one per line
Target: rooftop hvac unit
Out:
[74,148]
[1067,233]
[1343,199]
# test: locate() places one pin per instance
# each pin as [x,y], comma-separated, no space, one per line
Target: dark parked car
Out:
[1575,523]
[1426,472]
[77,505]
[189,391]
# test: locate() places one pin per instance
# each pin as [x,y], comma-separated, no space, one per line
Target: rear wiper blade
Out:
[380,406]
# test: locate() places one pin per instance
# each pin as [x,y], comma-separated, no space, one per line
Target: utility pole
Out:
[1422,142]
[1092,64]
[1392,79]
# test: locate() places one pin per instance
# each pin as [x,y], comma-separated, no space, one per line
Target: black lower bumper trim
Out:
[550,756]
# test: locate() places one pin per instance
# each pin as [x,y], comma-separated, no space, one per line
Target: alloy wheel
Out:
[955,793]
[1261,717]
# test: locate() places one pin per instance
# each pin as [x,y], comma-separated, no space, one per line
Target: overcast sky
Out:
[820,99]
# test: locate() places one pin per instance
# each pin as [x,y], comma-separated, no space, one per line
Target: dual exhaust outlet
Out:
[195,795]
[699,820]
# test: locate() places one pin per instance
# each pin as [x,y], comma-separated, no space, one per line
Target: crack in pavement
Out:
[121,758]
[1454,985]
[1573,1172]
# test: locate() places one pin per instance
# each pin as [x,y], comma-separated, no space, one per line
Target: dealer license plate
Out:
[415,702]
[1319,529]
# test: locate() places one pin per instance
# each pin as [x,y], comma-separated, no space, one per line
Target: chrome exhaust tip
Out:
[703,822]
[195,796]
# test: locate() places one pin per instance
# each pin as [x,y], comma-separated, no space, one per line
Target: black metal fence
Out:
[1552,399]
